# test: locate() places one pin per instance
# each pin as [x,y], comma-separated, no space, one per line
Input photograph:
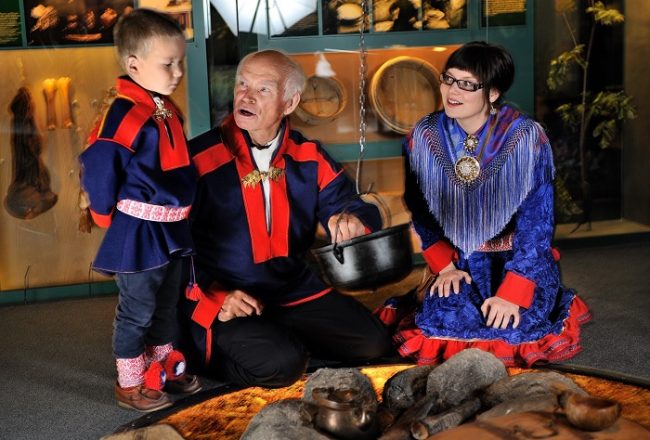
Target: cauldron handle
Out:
[338,253]
[336,250]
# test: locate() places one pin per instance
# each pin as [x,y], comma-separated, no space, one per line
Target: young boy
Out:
[141,184]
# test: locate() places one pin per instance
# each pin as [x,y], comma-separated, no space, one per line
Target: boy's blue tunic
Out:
[132,155]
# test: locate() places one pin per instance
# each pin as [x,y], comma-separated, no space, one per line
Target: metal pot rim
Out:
[363,238]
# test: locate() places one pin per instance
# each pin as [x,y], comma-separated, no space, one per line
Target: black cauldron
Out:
[369,261]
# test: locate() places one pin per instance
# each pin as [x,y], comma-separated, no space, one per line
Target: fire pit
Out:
[228,416]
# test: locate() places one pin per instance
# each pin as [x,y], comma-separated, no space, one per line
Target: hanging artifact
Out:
[29,193]
[49,91]
[63,85]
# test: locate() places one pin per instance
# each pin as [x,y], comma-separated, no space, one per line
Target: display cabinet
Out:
[61,53]
[58,68]
[407,43]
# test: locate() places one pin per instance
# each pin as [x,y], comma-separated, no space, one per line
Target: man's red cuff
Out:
[102,220]
[439,255]
[209,306]
[517,289]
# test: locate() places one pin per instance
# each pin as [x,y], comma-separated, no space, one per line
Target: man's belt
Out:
[153,213]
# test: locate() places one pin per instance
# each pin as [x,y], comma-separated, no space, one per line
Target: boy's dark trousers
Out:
[146,310]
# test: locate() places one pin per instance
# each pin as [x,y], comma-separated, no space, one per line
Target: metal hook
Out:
[338,253]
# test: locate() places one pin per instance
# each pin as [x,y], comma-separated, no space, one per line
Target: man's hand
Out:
[239,304]
[448,281]
[498,312]
[349,227]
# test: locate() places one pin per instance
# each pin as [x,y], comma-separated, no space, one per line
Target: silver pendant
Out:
[467,169]
[470,143]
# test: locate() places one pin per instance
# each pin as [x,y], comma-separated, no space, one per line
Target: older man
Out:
[256,311]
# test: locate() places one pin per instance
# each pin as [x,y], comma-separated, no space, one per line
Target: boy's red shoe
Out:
[141,398]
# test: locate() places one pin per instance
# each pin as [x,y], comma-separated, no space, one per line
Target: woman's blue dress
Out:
[497,228]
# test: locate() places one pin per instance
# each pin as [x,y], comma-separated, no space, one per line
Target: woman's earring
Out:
[493,111]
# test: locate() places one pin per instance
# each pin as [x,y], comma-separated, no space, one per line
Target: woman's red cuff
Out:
[209,306]
[102,220]
[517,290]
[439,255]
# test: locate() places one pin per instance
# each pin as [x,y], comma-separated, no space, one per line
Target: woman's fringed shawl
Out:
[472,213]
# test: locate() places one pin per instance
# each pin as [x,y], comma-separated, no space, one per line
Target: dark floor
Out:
[57,369]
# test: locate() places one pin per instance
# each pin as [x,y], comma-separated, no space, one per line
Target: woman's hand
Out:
[239,304]
[498,312]
[448,281]
[349,226]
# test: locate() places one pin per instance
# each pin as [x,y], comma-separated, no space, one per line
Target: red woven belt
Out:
[153,213]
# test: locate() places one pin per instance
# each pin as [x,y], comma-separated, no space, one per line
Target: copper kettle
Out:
[341,413]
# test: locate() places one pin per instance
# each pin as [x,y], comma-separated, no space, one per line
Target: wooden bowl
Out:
[403,90]
[322,101]
[590,413]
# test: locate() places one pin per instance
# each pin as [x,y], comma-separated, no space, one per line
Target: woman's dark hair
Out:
[491,64]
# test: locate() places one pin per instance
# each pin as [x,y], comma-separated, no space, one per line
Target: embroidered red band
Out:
[439,255]
[517,289]
[497,244]
[153,213]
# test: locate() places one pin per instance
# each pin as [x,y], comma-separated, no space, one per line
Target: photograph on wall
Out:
[503,12]
[179,10]
[72,22]
[414,15]
[444,14]
[10,33]
[343,16]
[395,15]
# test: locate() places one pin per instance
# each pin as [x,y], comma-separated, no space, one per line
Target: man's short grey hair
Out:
[294,77]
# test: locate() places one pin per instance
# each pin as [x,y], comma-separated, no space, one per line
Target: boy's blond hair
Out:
[133,32]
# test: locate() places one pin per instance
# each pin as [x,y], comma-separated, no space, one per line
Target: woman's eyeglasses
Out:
[468,86]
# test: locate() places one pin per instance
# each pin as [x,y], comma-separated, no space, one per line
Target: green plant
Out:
[598,113]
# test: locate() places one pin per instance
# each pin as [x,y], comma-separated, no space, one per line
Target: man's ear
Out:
[292,104]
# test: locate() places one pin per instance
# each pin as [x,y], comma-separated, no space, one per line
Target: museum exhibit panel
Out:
[59,70]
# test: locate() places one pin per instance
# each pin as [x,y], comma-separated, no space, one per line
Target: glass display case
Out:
[58,70]
[402,86]
[406,43]
[51,48]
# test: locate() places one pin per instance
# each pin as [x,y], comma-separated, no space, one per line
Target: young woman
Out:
[479,185]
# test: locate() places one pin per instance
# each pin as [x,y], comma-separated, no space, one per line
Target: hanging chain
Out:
[363,54]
